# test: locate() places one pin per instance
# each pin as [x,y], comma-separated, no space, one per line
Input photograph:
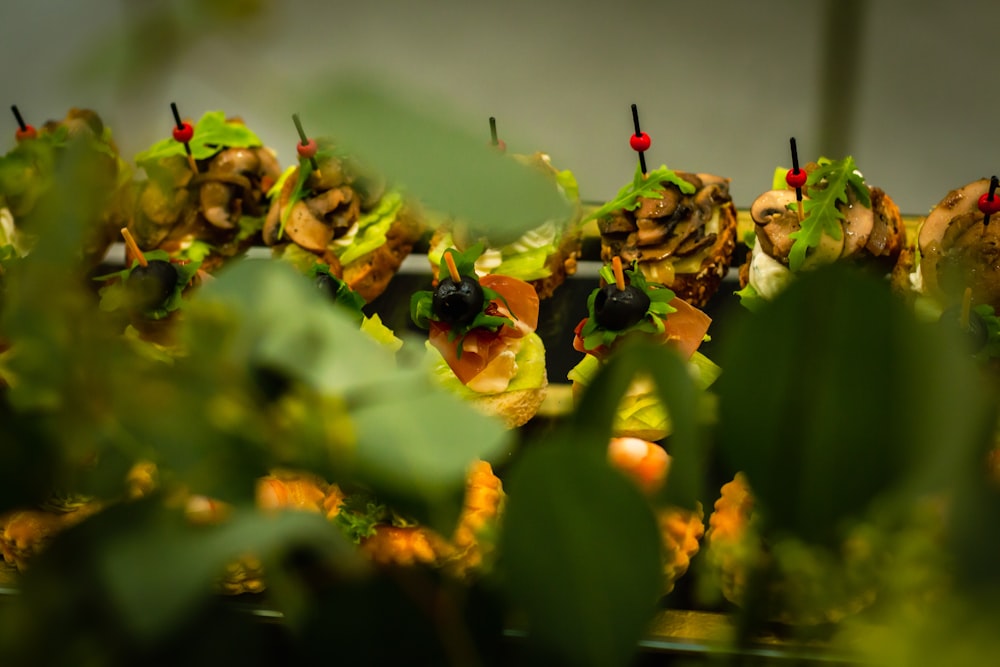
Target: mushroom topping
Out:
[659,208]
[774,222]
[616,223]
[956,202]
[307,230]
[227,176]
[956,205]
[857,224]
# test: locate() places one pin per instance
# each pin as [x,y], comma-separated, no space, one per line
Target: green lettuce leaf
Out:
[212,133]
[372,229]
[750,298]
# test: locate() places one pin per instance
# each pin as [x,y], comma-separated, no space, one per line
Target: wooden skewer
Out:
[133,247]
[616,267]
[452,269]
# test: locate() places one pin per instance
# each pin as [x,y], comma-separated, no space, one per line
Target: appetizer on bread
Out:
[32,173]
[544,256]
[953,269]
[482,333]
[214,212]
[842,219]
[626,305]
[342,216]
[680,229]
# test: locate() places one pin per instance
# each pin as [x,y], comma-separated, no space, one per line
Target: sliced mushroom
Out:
[857,224]
[652,232]
[930,240]
[650,207]
[616,223]
[306,230]
[327,201]
[693,244]
[955,203]
[680,233]
[774,222]
[226,180]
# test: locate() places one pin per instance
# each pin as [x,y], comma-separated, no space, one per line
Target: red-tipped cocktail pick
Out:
[989,203]
[24,131]
[639,141]
[496,143]
[183,133]
[796,177]
[306,148]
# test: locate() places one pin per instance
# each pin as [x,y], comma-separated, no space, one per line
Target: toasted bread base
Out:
[370,274]
[516,408]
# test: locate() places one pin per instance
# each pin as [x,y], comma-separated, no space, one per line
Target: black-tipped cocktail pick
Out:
[24,131]
[183,132]
[639,141]
[989,203]
[306,148]
[796,177]
[496,143]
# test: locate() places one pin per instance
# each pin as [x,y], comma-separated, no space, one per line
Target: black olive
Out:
[458,303]
[327,285]
[617,309]
[975,334]
[151,285]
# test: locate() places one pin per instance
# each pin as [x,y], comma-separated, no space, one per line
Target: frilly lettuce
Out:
[642,410]
[371,229]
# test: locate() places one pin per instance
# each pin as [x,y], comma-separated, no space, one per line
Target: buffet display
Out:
[229,405]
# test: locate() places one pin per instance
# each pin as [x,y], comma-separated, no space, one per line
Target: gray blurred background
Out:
[905,87]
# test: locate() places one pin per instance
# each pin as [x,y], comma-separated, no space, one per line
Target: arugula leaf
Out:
[642,185]
[827,186]
[211,133]
[660,296]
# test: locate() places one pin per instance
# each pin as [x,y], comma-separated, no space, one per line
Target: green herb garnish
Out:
[827,186]
[648,185]
[344,296]
[659,295]
[422,308]
[211,134]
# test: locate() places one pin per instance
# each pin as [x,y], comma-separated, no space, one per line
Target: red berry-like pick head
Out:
[639,142]
[500,146]
[796,179]
[183,133]
[307,150]
[989,207]
[27,133]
